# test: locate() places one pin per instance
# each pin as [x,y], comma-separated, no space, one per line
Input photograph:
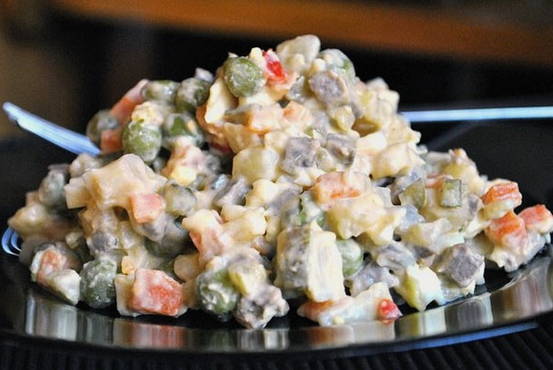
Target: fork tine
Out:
[6,239]
[14,242]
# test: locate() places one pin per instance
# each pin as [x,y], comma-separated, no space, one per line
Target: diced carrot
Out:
[153,291]
[209,243]
[434,181]
[502,192]
[508,231]
[537,218]
[110,141]
[312,310]
[146,207]
[274,71]
[123,108]
[337,185]
[53,260]
[388,310]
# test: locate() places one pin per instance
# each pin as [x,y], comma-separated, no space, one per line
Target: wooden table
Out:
[458,32]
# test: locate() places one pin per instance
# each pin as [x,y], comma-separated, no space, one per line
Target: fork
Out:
[60,136]
[77,143]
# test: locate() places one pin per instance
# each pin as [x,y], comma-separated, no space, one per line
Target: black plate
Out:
[507,303]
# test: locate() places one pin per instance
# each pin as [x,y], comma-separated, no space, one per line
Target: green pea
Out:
[243,77]
[142,139]
[216,292]
[309,211]
[182,124]
[352,256]
[101,121]
[174,241]
[160,90]
[191,93]
[179,200]
[50,192]
[97,286]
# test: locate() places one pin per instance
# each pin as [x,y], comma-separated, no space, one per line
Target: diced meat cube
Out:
[342,148]
[537,219]
[329,87]
[508,231]
[153,291]
[146,207]
[460,263]
[233,193]
[300,152]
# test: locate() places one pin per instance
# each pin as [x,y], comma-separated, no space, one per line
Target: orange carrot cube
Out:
[503,192]
[110,141]
[54,260]
[538,219]
[153,291]
[508,231]
[146,207]
[337,185]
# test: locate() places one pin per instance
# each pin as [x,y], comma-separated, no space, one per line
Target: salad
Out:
[282,181]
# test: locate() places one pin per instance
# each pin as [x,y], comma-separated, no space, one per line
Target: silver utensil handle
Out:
[60,136]
[479,114]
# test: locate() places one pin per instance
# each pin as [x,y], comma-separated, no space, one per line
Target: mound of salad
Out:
[282,179]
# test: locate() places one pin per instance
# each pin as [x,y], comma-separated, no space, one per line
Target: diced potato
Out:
[183,175]
[35,219]
[240,138]
[374,303]
[187,266]
[435,236]
[372,144]
[308,260]
[206,232]
[263,191]
[395,160]
[255,164]
[152,112]
[298,53]
[247,277]
[112,185]
[65,284]
[138,257]
[365,214]
[420,286]
[76,193]
[123,291]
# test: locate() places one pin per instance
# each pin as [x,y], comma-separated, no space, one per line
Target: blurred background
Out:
[66,59]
